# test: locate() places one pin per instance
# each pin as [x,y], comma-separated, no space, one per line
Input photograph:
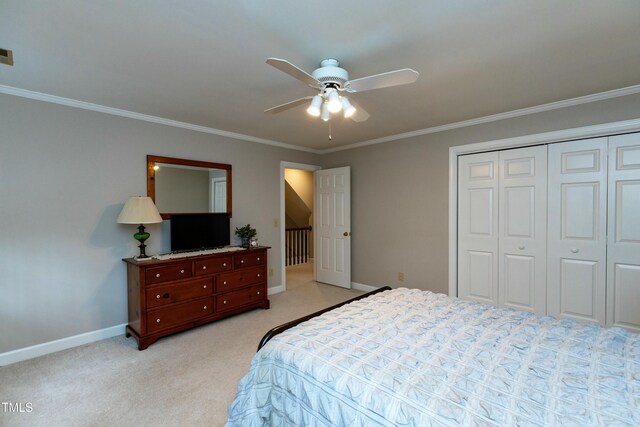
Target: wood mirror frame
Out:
[151,173]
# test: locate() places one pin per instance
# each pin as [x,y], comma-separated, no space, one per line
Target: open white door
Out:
[332,217]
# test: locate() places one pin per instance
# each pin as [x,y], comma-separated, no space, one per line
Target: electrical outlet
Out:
[271,272]
[400,276]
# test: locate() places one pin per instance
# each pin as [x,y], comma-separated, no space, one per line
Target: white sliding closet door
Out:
[623,246]
[577,249]
[478,227]
[522,244]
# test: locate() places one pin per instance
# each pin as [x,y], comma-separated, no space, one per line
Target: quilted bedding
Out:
[414,358]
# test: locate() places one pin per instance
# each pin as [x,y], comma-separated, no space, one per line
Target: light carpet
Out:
[186,379]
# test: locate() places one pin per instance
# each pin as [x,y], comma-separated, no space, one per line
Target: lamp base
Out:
[141,236]
[145,258]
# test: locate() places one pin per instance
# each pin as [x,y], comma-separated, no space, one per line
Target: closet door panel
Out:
[576,260]
[519,275]
[579,291]
[623,246]
[626,296]
[480,276]
[478,227]
[522,229]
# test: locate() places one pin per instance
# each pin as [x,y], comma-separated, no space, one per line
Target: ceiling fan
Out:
[330,80]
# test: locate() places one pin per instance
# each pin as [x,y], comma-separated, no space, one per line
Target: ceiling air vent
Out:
[6,56]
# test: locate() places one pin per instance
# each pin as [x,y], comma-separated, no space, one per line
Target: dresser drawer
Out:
[248,260]
[241,297]
[238,279]
[158,296]
[212,265]
[178,314]
[168,273]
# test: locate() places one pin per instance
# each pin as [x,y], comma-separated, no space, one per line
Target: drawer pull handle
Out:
[521,247]
[166,295]
[157,274]
[258,292]
[181,271]
[204,286]
[205,307]
[224,302]
[224,283]
[224,264]
[241,261]
[204,267]
[575,250]
[158,296]
[258,274]
[157,320]
[258,258]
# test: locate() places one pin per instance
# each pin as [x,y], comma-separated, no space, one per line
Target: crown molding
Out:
[9,90]
[631,90]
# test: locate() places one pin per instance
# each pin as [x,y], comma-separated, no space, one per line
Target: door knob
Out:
[346,233]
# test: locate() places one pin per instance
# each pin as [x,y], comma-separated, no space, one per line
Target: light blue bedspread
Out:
[413,358]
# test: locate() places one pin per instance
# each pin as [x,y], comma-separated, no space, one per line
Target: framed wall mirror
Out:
[188,186]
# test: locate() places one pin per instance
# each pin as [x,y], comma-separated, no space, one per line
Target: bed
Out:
[406,357]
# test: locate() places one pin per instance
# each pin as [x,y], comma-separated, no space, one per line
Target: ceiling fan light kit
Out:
[316,105]
[326,115]
[349,110]
[329,80]
[334,105]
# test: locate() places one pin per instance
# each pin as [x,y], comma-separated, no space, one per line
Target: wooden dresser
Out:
[168,296]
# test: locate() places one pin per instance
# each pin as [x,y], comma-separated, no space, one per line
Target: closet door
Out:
[478,227]
[623,246]
[523,232]
[577,221]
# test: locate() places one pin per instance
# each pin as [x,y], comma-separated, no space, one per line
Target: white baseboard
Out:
[363,288]
[38,350]
[26,353]
[275,290]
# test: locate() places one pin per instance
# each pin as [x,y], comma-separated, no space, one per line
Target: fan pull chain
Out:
[329,130]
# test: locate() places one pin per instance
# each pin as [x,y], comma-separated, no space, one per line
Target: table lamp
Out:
[140,210]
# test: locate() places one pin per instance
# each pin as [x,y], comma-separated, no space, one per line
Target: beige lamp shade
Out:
[139,210]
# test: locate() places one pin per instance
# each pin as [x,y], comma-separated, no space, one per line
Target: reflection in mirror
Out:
[188,186]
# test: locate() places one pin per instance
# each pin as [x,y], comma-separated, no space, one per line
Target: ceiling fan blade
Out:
[293,71]
[360,115]
[378,81]
[286,106]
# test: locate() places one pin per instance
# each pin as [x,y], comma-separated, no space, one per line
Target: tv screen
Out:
[199,231]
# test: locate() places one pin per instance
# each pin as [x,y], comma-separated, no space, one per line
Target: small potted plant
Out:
[245,234]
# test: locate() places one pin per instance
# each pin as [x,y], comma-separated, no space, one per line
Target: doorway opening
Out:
[296,223]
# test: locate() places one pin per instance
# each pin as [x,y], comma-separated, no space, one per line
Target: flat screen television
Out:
[199,231]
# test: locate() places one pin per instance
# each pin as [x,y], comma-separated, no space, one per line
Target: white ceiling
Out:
[203,62]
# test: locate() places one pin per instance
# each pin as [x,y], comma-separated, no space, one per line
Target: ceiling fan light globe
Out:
[326,115]
[349,110]
[334,104]
[314,107]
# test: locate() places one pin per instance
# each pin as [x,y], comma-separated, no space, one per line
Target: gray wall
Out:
[399,193]
[65,173]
